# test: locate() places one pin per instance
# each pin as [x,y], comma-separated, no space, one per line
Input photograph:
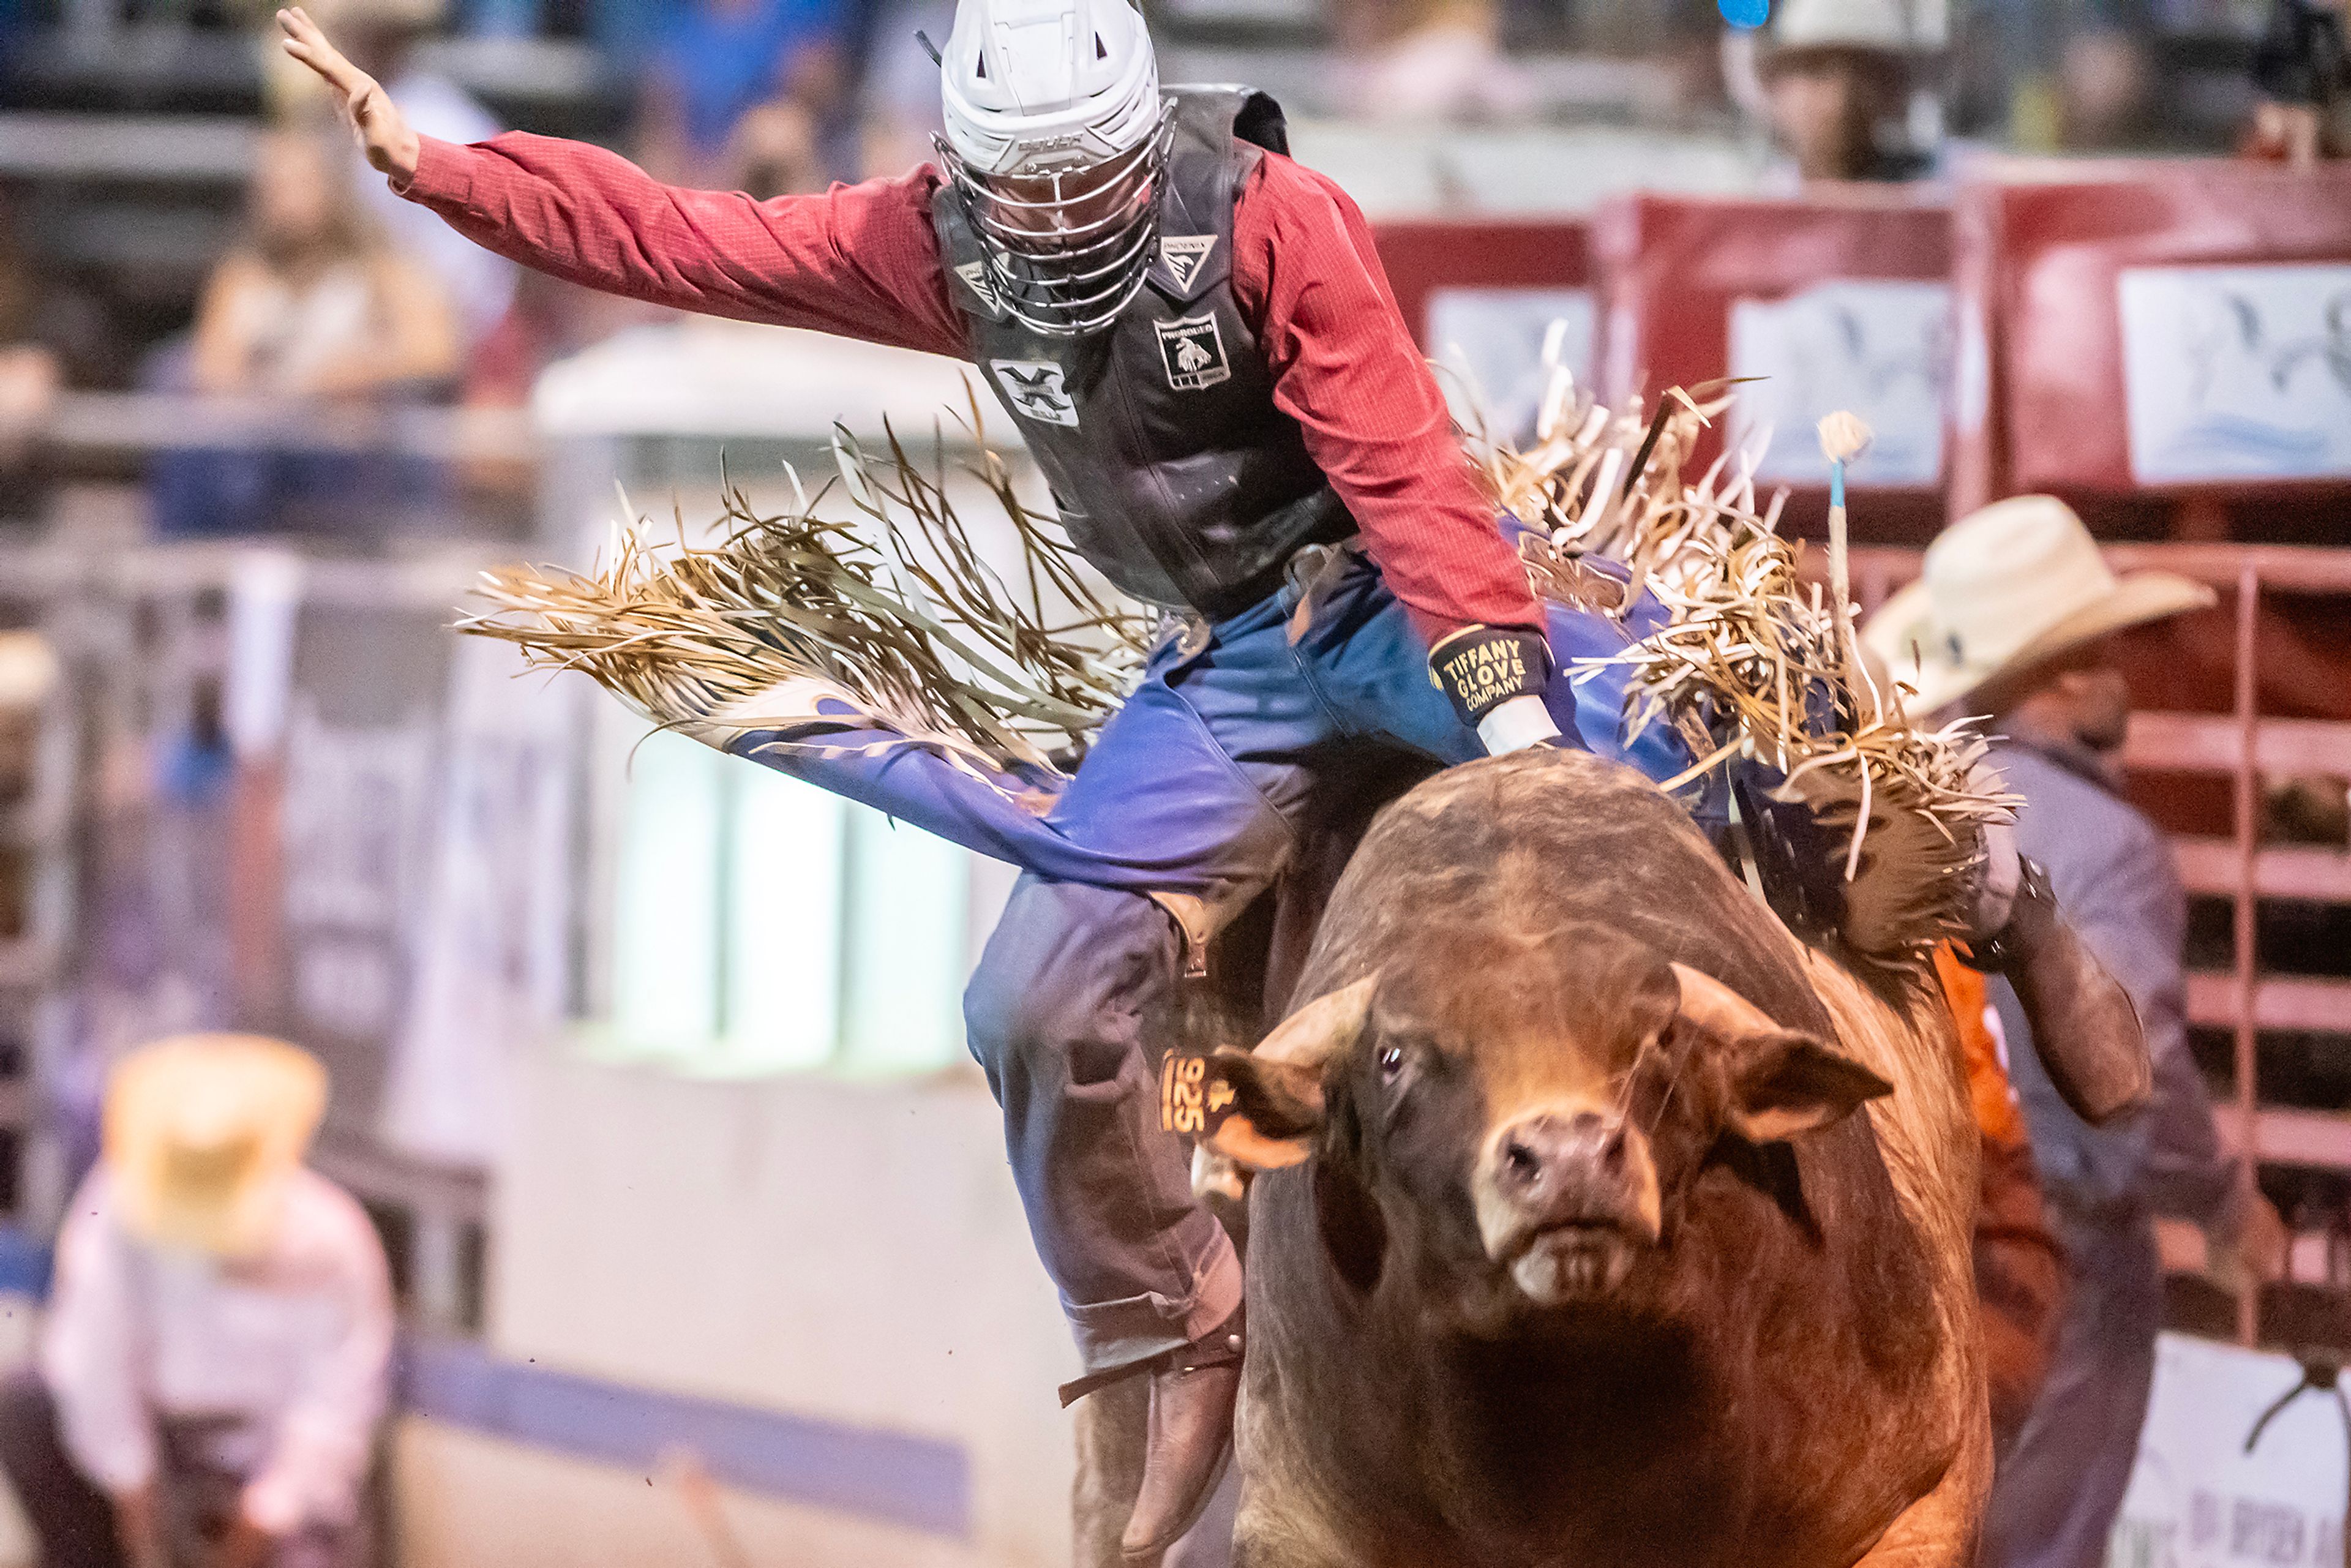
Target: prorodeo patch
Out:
[1188,1102]
[1183,255]
[1037,391]
[1193,351]
[983,288]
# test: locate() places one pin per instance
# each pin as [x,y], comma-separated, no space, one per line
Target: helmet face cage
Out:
[1067,248]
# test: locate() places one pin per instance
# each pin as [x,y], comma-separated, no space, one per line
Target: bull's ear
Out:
[1262,1113]
[1271,1100]
[1783,1083]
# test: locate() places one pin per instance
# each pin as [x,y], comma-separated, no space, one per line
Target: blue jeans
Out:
[1214,766]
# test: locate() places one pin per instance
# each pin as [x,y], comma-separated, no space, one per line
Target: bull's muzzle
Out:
[1566,1199]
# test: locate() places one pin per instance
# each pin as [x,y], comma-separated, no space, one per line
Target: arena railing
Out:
[91,423]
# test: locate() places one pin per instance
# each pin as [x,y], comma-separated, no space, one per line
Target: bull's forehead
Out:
[1534,1018]
[1552,1069]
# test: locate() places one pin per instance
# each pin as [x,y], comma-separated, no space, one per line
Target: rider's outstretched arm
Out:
[860,260]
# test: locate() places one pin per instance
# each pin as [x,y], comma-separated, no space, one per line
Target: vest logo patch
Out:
[975,277]
[1036,390]
[1194,352]
[1183,255]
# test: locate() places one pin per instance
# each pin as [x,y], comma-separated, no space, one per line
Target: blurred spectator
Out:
[28,675]
[1842,85]
[2106,84]
[2015,616]
[498,19]
[624,31]
[1433,59]
[898,86]
[381,37]
[2071,73]
[773,152]
[28,390]
[716,60]
[216,1353]
[51,336]
[2303,74]
[312,305]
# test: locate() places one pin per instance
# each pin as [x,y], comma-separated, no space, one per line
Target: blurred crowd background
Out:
[214,237]
[653,1147]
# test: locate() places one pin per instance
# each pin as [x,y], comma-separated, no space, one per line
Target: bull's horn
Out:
[1324,1027]
[1717,1008]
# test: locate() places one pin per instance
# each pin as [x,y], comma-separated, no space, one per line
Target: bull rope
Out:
[1755,663]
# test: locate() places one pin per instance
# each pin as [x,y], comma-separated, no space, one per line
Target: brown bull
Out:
[1572,1249]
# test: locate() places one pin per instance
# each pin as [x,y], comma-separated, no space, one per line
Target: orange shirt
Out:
[1988,1086]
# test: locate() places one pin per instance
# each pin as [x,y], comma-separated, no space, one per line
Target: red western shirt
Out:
[863,262]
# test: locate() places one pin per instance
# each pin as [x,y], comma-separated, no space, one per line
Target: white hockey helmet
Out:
[1056,136]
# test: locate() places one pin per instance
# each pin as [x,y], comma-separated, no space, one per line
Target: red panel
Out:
[1671,267]
[1423,255]
[2050,254]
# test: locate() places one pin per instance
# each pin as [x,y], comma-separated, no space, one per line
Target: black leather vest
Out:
[1174,473]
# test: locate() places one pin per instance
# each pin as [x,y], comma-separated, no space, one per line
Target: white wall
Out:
[470,1501]
[846,1250]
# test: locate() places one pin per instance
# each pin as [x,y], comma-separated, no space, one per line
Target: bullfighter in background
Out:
[1200,347]
[2041,660]
[217,1350]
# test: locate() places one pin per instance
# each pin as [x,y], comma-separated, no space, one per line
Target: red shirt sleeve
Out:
[861,261]
[1346,368]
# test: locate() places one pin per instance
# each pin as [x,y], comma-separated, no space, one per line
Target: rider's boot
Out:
[1194,1390]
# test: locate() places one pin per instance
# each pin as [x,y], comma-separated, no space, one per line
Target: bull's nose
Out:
[1567,1168]
[1541,1159]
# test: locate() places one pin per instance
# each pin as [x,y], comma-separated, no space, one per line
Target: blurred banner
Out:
[491,972]
[2176,327]
[1877,346]
[1486,297]
[2198,1499]
[1840,298]
[2237,373]
[366,689]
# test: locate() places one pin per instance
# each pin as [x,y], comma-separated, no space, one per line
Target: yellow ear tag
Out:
[1183,1101]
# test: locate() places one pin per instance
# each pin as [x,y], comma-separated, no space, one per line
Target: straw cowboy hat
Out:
[203,1132]
[2006,588]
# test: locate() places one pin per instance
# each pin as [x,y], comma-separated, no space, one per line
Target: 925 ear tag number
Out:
[1189,1103]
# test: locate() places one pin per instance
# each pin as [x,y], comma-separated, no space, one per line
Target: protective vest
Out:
[1174,473]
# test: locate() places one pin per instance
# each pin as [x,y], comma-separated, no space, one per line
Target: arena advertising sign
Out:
[355,822]
[1487,346]
[2237,373]
[2197,1499]
[1878,347]
[490,958]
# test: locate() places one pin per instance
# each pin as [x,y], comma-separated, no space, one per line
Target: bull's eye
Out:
[1390,1062]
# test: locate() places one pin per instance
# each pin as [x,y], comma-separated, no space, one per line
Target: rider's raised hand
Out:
[384,136]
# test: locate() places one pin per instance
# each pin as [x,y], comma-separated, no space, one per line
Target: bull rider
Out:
[1197,341]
